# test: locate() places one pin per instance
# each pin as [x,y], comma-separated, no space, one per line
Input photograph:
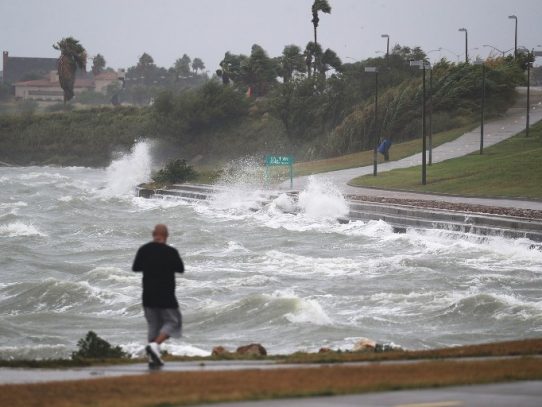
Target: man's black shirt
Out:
[159,263]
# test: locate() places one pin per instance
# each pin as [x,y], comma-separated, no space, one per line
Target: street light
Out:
[372,69]
[423,65]
[529,65]
[387,44]
[481,62]
[451,52]
[466,44]
[498,50]
[513,17]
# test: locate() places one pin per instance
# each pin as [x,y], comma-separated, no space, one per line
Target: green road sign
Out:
[276,160]
[279,160]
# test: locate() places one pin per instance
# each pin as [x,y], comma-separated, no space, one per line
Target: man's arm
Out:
[178,265]
[138,262]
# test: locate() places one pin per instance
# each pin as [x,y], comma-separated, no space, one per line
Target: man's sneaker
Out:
[153,352]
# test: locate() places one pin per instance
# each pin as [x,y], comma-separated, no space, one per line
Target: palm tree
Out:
[197,65]
[72,56]
[98,64]
[291,61]
[324,7]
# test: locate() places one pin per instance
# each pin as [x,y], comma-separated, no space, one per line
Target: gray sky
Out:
[122,30]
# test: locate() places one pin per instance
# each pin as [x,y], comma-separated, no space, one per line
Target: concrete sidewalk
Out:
[495,131]
[10,375]
[525,394]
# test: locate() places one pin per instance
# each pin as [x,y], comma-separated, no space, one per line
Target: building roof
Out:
[16,68]
[107,75]
[46,83]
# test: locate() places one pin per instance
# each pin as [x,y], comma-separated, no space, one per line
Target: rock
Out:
[219,351]
[253,349]
[324,350]
[364,345]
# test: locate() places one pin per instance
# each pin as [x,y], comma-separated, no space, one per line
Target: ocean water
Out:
[287,275]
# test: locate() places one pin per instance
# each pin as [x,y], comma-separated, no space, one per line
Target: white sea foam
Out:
[19,229]
[307,311]
[125,173]
[322,199]
[137,349]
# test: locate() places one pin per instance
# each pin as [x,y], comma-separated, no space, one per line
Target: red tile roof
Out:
[45,83]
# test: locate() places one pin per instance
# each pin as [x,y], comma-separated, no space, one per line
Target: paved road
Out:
[524,394]
[495,131]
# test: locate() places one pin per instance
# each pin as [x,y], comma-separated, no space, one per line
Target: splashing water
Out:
[322,199]
[241,187]
[125,173]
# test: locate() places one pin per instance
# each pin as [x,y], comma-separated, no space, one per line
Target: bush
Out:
[94,347]
[175,171]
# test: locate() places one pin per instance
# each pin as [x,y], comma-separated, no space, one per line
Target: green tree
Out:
[182,66]
[72,56]
[98,64]
[291,61]
[230,68]
[259,72]
[198,65]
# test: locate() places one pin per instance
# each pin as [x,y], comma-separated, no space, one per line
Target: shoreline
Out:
[193,383]
[521,347]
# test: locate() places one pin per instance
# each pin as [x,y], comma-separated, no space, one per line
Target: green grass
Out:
[364,158]
[511,168]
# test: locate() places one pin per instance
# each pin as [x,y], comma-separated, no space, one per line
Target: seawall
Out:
[400,215]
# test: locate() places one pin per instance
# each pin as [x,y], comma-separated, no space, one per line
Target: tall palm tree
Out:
[324,7]
[72,56]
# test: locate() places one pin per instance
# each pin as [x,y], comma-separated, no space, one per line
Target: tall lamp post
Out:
[529,65]
[387,44]
[466,44]
[513,17]
[482,110]
[372,69]
[431,109]
[423,65]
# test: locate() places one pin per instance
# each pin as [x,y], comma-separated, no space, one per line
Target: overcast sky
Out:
[122,30]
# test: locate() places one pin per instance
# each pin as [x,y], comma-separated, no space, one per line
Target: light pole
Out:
[498,50]
[423,66]
[387,44]
[482,110]
[374,70]
[466,44]
[451,52]
[513,17]
[529,64]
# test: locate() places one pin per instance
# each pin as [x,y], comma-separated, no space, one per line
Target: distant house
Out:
[16,69]
[48,89]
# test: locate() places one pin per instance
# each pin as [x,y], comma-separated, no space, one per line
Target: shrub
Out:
[175,171]
[94,347]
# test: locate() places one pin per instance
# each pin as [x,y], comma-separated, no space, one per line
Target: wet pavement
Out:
[524,394]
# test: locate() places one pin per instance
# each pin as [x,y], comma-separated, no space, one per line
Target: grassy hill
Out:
[511,169]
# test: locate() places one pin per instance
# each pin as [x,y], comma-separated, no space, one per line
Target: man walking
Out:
[159,262]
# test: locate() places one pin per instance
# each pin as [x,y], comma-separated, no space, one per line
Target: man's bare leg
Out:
[161,338]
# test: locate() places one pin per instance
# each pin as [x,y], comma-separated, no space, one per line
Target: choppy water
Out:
[291,282]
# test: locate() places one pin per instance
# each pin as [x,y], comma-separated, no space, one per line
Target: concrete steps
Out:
[401,217]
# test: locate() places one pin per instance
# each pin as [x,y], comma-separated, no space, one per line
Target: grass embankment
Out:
[364,158]
[160,389]
[508,169]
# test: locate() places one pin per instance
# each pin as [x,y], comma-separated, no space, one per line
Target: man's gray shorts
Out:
[167,321]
